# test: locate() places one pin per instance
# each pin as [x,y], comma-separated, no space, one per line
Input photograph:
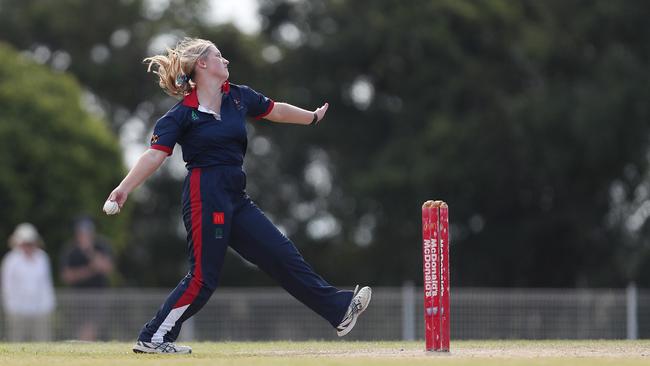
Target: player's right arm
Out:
[165,134]
[146,165]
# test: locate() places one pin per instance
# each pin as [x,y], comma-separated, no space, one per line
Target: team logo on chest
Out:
[237,104]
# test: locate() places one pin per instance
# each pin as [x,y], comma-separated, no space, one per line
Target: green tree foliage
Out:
[57,161]
[104,41]
[103,45]
[520,114]
[530,118]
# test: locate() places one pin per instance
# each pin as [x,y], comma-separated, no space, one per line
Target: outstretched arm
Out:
[287,113]
[148,163]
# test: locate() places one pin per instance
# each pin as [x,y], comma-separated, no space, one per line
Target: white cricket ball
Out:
[111,207]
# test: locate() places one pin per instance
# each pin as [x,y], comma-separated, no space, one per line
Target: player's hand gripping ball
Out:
[111,207]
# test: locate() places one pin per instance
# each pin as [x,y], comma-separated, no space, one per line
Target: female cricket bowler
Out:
[209,125]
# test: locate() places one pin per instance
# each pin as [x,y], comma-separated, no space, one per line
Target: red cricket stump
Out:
[445,324]
[435,255]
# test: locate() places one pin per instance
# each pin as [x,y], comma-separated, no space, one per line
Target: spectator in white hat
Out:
[27,291]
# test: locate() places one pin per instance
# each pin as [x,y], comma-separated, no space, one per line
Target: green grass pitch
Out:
[555,353]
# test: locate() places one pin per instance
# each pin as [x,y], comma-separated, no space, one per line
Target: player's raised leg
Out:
[261,243]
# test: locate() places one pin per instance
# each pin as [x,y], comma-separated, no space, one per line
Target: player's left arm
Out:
[287,113]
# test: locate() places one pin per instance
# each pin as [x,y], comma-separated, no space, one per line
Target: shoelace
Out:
[357,304]
[356,307]
[166,347]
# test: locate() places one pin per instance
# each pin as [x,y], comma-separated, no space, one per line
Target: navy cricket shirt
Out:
[205,140]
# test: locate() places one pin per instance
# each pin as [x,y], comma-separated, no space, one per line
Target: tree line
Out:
[529,118]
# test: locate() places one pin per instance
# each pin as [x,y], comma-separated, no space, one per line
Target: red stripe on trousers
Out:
[194,287]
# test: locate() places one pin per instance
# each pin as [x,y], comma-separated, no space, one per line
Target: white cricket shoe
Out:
[165,347]
[359,303]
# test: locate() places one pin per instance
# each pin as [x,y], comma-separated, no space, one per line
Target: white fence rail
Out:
[395,313]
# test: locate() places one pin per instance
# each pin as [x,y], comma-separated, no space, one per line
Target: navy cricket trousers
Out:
[217,213]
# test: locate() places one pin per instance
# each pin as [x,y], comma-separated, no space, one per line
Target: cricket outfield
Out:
[556,353]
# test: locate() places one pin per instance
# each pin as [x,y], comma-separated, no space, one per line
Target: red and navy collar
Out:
[192,99]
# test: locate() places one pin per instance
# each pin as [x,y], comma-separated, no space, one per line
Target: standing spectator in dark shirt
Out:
[87,263]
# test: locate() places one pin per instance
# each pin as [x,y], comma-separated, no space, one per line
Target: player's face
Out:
[216,64]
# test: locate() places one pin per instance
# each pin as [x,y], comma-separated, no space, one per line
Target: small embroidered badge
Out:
[218,218]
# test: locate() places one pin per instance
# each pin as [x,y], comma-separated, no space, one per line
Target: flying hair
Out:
[175,70]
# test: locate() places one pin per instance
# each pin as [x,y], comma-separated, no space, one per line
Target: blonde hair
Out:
[176,69]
